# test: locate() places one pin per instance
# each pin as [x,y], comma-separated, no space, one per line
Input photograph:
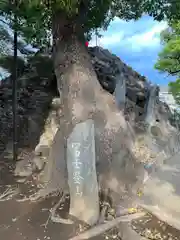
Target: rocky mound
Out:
[146,118]
[36,88]
[34,95]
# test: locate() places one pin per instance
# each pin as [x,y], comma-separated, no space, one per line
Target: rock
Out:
[127,233]
[82,178]
[164,184]
[21,180]
[120,92]
[32,97]
[109,217]
[23,169]
[144,116]
[160,138]
[150,116]
[109,67]
[50,129]
[39,163]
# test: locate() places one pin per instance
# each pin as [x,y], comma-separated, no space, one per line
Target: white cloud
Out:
[149,38]
[118,20]
[107,41]
[137,43]
[121,33]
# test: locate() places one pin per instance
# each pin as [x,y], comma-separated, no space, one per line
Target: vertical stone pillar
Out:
[82,179]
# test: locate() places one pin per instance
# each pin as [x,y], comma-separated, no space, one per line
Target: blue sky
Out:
[137,43]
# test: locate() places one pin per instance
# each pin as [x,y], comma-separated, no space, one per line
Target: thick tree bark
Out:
[77,97]
[83,98]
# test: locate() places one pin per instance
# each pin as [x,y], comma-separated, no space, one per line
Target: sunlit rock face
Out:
[111,72]
[154,137]
[155,141]
[167,97]
[132,92]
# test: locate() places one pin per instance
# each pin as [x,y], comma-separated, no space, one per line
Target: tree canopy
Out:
[169,57]
[35,16]
[35,19]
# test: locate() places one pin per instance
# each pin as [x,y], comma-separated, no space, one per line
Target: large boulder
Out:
[108,67]
[135,138]
[155,142]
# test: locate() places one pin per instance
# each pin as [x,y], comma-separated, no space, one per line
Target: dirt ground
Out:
[25,220]
[30,220]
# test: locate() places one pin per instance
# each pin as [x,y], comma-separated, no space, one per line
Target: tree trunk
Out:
[83,98]
[71,63]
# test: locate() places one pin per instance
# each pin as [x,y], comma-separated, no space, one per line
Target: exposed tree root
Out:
[99,229]
[23,199]
[8,194]
[103,214]
[42,193]
[126,232]
[58,219]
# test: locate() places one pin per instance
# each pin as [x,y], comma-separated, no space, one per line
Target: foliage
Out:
[6,49]
[35,19]
[6,41]
[169,58]
[35,16]
[7,63]
[174,88]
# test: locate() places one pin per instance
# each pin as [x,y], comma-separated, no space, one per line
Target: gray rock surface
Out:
[152,143]
[120,92]
[127,233]
[33,99]
[109,67]
[23,169]
[150,115]
[82,178]
[159,139]
[161,193]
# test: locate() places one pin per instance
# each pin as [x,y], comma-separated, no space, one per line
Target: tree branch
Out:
[174,72]
[99,229]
